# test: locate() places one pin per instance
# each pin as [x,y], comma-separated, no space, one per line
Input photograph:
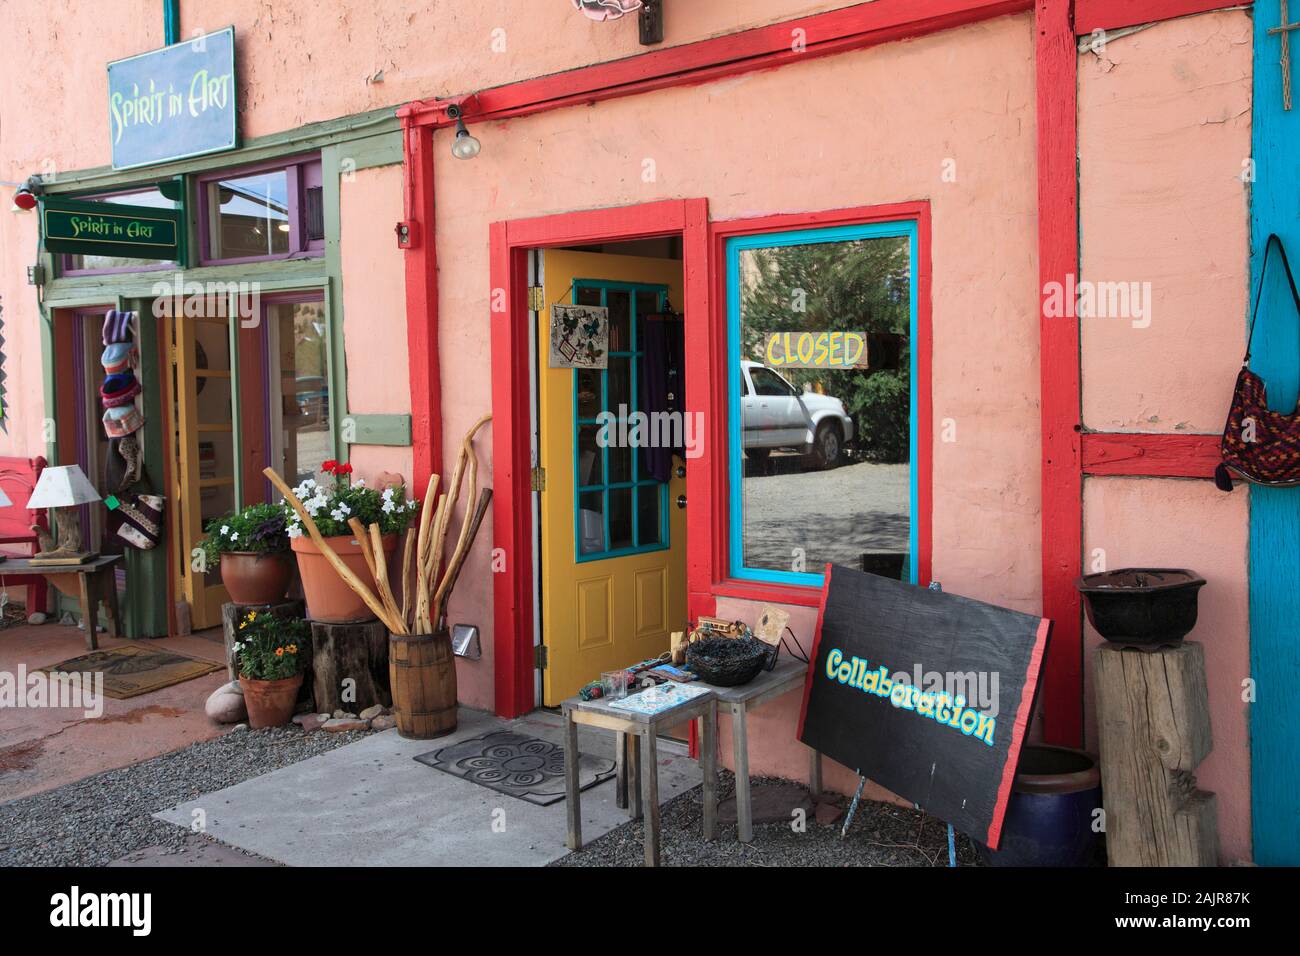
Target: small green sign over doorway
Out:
[110,229]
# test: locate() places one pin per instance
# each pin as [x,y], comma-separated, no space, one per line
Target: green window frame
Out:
[636,483]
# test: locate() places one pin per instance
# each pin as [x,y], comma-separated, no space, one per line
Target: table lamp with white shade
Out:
[59,487]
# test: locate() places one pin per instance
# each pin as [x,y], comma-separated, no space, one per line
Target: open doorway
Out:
[609,446]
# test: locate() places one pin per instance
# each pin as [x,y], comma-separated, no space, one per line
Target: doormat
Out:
[518,766]
[130,671]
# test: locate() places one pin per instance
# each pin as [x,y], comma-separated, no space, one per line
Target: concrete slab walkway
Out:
[371,804]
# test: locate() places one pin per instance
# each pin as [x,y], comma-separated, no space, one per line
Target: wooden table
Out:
[96,580]
[642,759]
[789,674]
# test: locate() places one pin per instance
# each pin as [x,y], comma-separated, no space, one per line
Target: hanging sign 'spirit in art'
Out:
[579,336]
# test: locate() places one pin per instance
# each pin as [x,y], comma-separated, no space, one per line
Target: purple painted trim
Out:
[81,434]
[297,182]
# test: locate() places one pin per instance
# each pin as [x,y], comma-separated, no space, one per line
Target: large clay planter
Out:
[256,578]
[329,599]
[270,702]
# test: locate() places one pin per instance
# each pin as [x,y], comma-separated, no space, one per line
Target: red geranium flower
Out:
[343,470]
[330,467]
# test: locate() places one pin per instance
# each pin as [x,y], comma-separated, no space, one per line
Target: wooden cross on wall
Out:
[1284,31]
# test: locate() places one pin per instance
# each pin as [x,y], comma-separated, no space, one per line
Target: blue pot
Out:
[1049,819]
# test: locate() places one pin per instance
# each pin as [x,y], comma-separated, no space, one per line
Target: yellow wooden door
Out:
[203,477]
[613,569]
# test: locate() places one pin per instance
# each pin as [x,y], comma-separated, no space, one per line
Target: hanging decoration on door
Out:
[579,336]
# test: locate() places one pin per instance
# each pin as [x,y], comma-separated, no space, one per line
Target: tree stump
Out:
[1154,720]
[230,615]
[350,663]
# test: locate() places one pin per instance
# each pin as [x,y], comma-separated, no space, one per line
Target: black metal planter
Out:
[1144,607]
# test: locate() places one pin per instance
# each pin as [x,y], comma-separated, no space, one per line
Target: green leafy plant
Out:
[270,647]
[261,529]
[851,286]
[332,504]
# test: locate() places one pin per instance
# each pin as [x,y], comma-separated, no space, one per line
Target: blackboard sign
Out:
[928,694]
[175,102]
[110,229]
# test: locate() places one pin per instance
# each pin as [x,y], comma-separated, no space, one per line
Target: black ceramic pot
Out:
[1142,606]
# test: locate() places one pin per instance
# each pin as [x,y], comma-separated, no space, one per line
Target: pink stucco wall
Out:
[1164,131]
[1164,126]
[1189,524]
[298,62]
[374,310]
[728,142]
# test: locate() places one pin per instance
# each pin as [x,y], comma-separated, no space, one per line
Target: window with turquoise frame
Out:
[822,401]
[620,509]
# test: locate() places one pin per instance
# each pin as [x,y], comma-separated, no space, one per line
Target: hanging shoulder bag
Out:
[1259,444]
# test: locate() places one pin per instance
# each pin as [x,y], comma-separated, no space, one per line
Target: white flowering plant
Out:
[332,504]
[259,529]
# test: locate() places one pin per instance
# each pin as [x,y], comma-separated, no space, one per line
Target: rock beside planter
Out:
[226,704]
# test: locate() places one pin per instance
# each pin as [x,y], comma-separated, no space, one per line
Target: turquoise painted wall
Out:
[1275,512]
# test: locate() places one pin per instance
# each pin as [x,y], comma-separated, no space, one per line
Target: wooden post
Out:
[355,652]
[1154,721]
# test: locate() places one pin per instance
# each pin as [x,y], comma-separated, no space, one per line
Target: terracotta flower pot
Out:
[256,578]
[270,702]
[329,599]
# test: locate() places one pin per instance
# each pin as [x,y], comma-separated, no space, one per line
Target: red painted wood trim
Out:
[1151,456]
[512,516]
[837,31]
[1018,729]
[512,504]
[710,571]
[1092,15]
[422,308]
[1062,478]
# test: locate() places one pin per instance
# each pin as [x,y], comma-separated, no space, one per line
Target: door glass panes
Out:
[303,388]
[821,420]
[620,508]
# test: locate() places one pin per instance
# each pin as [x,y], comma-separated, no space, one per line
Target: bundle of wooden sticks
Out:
[426,583]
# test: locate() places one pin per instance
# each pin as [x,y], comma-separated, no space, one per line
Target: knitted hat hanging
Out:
[117,326]
[118,357]
[119,389]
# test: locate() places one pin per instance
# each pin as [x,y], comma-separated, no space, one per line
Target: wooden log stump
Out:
[350,665]
[230,615]
[1154,721]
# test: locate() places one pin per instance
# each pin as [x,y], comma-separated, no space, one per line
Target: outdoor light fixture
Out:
[465,146]
[25,197]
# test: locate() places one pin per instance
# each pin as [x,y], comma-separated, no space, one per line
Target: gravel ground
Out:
[102,818]
[833,515]
[882,835]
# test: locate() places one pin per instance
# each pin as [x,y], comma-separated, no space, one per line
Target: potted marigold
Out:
[269,650]
[332,503]
[253,548]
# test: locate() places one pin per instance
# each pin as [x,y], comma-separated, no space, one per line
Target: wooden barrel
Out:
[422,672]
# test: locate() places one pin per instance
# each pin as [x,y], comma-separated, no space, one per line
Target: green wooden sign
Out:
[109,229]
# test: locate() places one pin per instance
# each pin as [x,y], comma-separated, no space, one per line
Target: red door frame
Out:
[1064,442]
[512,513]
